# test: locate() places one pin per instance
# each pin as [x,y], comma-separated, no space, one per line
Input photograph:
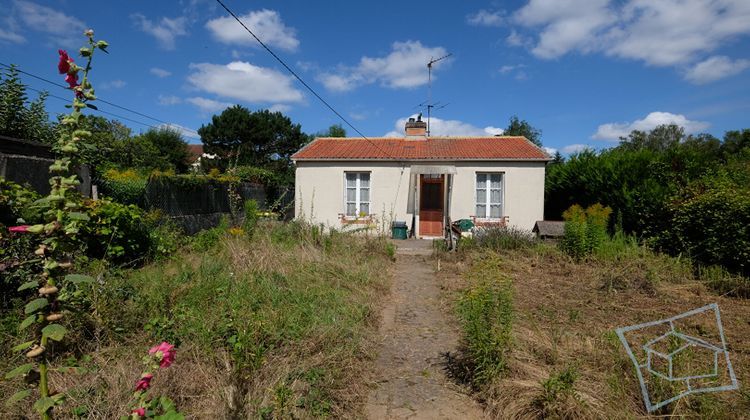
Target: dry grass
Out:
[565,317]
[277,326]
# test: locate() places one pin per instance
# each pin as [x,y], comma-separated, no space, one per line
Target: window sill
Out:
[351,220]
[490,222]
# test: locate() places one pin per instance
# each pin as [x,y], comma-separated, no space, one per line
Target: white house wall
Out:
[319,195]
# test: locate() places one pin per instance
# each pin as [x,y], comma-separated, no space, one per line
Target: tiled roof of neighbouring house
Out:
[196,151]
[432,148]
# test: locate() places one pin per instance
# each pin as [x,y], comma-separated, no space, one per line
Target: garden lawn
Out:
[279,324]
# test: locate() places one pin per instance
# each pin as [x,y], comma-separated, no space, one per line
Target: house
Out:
[549,229]
[423,181]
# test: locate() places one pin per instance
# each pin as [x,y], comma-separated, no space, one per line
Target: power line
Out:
[102,101]
[99,110]
[293,73]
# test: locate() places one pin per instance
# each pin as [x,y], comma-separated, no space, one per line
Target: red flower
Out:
[141,412]
[21,229]
[166,351]
[72,80]
[64,65]
[144,382]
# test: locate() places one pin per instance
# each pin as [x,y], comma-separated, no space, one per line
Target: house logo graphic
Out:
[678,356]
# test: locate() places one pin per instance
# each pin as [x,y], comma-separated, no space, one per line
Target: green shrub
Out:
[251,217]
[17,202]
[116,232]
[721,281]
[166,237]
[585,230]
[207,239]
[485,311]
[126,187]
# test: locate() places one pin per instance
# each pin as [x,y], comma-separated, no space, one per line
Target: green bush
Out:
[251,217]
[585,230]
[16,202]
[502,238]
[127,187]
[485,311]
[116,232]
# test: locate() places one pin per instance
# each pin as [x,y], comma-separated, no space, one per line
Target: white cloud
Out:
[208,105]
[659,33]
[45,19]
[114,84]
[156,71]
[574,148]
[266,24]
[441,127]
[515,69]
[165,31]
[485,18]
[715,68]
[516,40]
[613,131]
[279,108]
[244,82]
[550,150]
[169,100]
[10,31]
[404,67]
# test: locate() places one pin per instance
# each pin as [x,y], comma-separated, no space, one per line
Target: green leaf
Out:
[22,346]
[43,404]
[26,322]
[28,285]
[18,396]
[21,370]
[92,106]
[54,331]
[79,216]
[35,305]
[78,278]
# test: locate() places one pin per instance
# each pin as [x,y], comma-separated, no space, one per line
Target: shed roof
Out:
[432,148]
[551,228]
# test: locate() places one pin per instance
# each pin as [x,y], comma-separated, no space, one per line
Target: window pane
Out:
[495,211]
[481,180]
[364,194]
[351,194]
[481,196]
[364,208]
[481,210]
[351,179]
[364,180]
[495,181]
[495,196]
[351,209]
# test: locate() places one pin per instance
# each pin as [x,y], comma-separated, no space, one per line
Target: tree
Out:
[169,146]
[336,130]
[20,119]
[518,127]
[261,138]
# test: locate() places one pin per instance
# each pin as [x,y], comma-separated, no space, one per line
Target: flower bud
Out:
[35,351]
[54,317]
[48,290]
[89,33]
[40,251]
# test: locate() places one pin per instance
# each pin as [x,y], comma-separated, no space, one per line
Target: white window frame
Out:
[488,195]
[357,188]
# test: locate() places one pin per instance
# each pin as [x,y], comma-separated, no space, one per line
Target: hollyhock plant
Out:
[144,382]
[166,352]
[140,412]
[20,229]
[63,66]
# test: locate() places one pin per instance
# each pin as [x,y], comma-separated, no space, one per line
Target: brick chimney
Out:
[416,128]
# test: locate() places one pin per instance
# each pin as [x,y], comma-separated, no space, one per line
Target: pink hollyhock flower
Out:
[22,228]
[167,354]
[141,412]
[64,65]
[144,382]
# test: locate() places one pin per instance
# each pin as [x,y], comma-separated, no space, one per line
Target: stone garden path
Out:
[415,333]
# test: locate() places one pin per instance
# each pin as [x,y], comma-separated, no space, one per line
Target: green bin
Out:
[398,230]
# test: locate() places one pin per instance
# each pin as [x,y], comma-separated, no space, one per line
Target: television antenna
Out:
[430,105]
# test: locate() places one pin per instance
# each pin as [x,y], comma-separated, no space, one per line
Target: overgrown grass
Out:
[277,326]
[485,311]
[505,238]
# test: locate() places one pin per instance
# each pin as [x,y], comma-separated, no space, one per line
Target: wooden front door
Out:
[431,205]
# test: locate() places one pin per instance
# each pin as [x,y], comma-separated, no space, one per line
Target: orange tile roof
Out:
[432,148]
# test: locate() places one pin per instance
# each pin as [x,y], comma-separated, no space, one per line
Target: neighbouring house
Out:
[197,156]
[423,181]
[549,229]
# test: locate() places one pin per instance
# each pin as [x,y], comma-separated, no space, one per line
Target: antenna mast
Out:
[430,105]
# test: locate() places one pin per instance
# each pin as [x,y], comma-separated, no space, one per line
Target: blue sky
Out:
[583,71]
